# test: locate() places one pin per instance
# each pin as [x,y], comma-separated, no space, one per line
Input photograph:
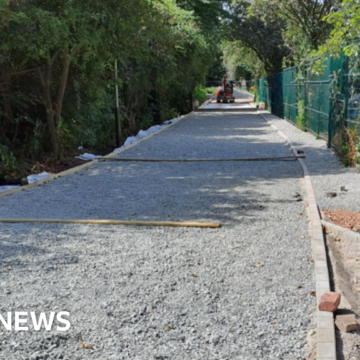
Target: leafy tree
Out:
[45,39]
[242,61]
[57,67]
[346,29]
[259,36]
[304,15]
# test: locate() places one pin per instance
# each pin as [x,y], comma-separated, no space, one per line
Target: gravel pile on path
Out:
[239,292]
[328,174]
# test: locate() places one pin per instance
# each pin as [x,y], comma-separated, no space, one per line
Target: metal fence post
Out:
[329,123]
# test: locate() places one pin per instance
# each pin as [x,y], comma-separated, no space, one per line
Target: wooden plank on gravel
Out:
[114,222]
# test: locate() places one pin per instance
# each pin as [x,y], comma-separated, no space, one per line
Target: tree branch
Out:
[63,83]
[326,7]
[41,76]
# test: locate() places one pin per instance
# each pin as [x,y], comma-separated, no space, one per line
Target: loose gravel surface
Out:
[239,292]
[328,174]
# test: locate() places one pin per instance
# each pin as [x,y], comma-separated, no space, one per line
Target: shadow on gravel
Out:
[223,192]
[19,242]
[339,346]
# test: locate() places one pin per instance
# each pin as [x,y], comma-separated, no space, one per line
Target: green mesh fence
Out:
[267,97]
[318,102]
[290,94]
[317,99]
[260,89]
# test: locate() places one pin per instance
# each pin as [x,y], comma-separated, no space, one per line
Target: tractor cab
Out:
[225,92]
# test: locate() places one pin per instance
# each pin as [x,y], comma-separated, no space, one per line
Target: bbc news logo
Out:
[19,321]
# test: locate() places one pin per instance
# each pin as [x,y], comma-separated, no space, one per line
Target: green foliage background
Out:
[57,59]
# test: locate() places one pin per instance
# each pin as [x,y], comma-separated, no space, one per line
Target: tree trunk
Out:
[53,111]
[45,79]
[62,85]
[6,95]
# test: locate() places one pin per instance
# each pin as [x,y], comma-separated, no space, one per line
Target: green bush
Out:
[8,163]
[200,93]
[211,90]
[300,119]
[171,114]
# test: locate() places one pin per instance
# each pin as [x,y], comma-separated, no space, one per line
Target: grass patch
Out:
[300,119]
[211,90]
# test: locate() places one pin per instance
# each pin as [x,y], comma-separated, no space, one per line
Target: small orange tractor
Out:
[225,93]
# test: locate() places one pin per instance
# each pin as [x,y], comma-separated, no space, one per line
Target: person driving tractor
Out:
[225,92]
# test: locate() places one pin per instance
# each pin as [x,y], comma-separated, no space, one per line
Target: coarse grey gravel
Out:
[327,172]
[239,292]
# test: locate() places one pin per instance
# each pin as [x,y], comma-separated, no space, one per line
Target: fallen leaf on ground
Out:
[9,268]
[196,276]
[85,346]
[168,328]
[313,293]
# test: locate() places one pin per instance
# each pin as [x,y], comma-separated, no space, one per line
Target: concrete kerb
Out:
[326,341]
[88,164]
[340,232]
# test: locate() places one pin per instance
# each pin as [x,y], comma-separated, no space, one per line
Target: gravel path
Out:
[327,172]
[239,292]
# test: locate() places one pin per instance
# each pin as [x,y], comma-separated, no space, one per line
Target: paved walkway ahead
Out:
[239,292]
